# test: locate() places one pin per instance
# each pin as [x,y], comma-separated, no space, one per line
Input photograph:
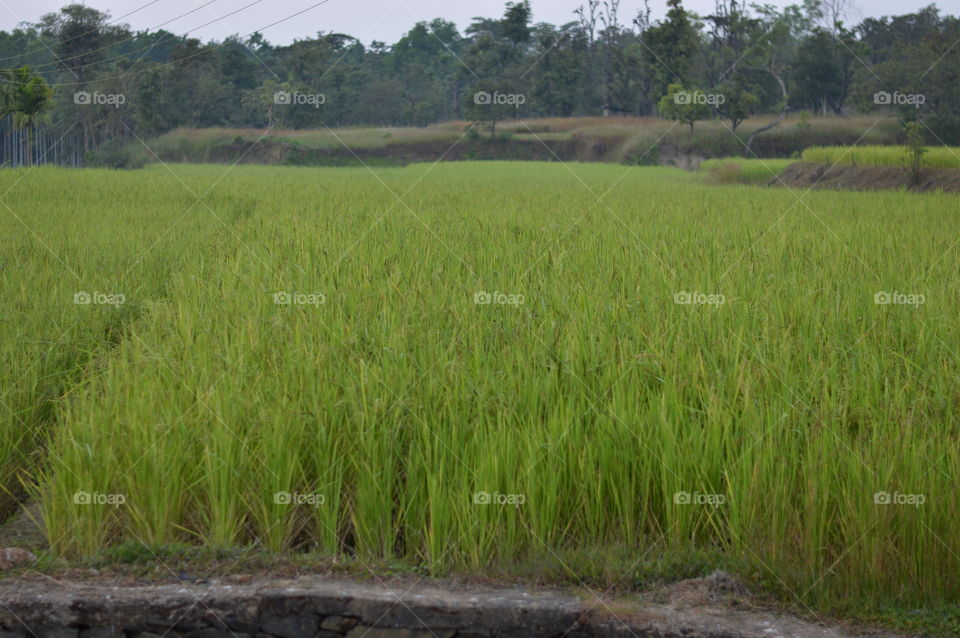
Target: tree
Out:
[684,106]
[671,47]
[731,30]
[738,103]
[558,81]
[773,52]
[918,76]
[825,67]
[489,101]
[424,62]
[28,101]
[915,150]
[82,35]
[6,92]
[516,23]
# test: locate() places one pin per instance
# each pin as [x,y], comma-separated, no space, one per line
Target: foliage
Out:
[28,98]
[119,153]
[915,149]
[682,105]
[738,103]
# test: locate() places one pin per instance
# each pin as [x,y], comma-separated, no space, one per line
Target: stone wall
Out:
[318,607]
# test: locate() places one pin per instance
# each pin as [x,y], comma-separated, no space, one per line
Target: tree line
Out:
[80,72]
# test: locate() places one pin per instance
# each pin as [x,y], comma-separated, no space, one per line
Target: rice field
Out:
[470,363]
[889,156]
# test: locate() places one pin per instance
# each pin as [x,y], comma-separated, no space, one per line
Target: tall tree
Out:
[28,101]
[516,23]
[82,36]
[671,47]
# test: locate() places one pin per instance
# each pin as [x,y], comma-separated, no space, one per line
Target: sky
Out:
[368,20]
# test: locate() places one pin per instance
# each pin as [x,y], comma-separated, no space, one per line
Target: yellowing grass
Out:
[744,171]
[893,156]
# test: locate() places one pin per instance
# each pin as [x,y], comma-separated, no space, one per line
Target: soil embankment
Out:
[326,607]
[867,178]
[274,152]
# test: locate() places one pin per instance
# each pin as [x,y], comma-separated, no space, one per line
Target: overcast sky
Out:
[367,20]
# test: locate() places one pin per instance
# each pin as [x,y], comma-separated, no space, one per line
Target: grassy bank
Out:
[886,156]
[496,370]
[744,171]
[646,141]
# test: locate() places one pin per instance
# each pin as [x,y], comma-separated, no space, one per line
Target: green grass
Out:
[891,156]
[591,407]
[736,170]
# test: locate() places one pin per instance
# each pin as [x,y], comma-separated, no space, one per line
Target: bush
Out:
[744,171]
[118,153]
[724,173]
[643,157]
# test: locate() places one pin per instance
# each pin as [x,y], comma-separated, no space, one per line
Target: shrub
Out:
[118,153]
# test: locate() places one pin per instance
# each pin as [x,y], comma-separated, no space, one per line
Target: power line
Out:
[137,10]
[139,34]
[198,53]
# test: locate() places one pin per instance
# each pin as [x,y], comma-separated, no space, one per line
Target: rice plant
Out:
[495,366]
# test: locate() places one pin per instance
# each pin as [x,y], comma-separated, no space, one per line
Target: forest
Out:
[80,74]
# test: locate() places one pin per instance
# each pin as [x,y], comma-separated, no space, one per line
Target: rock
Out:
[340,624]
[166,625]
[292,627]
[13,557]
[214,633]
[476,632]
[718,587]
[58,632]
[101,632]
[242,625]
[382,632]
[720,582]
